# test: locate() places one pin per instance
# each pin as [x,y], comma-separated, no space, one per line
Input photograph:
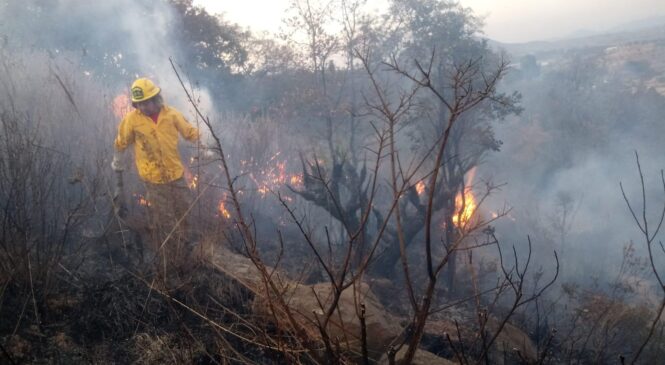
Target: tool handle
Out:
[119,201]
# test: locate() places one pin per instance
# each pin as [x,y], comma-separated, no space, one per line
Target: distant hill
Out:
[641,24]
[633,51]
[645,31]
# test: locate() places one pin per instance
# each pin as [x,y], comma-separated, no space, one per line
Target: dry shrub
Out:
[607,328]
[51,167]
[17,347]
[162,349]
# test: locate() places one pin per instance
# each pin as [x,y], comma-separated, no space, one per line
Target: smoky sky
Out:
[524,20]
[505,20]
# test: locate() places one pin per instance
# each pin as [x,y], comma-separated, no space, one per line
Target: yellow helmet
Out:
[143,89]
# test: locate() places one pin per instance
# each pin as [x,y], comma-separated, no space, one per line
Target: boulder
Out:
[421,357]
[345,323]
[306,304]
[510,340]
[507,344]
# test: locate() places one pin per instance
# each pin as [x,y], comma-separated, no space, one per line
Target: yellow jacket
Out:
[156,145]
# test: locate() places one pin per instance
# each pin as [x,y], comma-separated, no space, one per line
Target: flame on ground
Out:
[194,183]
[191,179]
[222,209]
[141,200]
[296,180]
[273,177]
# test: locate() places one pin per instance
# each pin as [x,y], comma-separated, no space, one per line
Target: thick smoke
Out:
[562,174]
[112,41]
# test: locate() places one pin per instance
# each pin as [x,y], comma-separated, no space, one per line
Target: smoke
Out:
[116,42]
[562,180]
[152,34]
[564,191]
[64,62]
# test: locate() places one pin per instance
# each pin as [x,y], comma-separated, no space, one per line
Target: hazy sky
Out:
[507,20]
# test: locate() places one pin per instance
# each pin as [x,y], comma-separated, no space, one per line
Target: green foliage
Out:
[423,26]
[207,41]
[441,37]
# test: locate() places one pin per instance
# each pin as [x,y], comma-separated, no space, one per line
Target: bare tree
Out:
[649,233]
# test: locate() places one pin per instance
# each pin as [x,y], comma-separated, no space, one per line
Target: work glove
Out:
[208,153]
[117,164]
[207,146]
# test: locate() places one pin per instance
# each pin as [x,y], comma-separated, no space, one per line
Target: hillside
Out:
[651,34]
[635,55]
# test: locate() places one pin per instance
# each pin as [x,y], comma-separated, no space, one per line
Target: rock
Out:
[505,347]
[421,357]
[305,303]
[510,340]
[345,324]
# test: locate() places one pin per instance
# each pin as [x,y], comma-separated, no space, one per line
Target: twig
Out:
[32,291]
[648,238]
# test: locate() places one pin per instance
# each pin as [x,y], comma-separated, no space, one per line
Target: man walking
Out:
[153,128]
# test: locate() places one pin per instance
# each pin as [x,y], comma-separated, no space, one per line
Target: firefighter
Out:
[153,128]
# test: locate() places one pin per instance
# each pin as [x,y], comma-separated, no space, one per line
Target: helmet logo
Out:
[137,93]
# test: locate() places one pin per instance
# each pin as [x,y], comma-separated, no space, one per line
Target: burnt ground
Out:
[120,319]
[113,308]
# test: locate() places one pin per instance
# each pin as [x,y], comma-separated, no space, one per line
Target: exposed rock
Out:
[512,339]
[344,323]
[507,344]
[306,302]
[421,357]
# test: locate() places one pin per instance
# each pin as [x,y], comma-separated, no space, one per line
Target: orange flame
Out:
[192,180]
[273,177]
[420,187]
[222,209]
[465,205]
[121,105]
[141,200]
[296,180]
